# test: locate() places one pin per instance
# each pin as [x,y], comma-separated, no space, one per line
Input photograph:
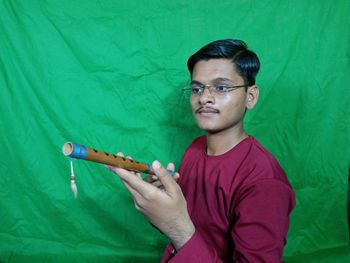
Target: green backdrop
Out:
[108,74]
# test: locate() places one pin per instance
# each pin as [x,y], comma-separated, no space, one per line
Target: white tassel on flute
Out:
[72,180]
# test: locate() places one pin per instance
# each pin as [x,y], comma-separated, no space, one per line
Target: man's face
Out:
[216,112]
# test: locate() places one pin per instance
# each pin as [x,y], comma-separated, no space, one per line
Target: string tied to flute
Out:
[72,180]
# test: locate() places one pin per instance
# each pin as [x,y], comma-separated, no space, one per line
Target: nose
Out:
[206,96]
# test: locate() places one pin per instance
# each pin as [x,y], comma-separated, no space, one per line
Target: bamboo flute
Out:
[79,151]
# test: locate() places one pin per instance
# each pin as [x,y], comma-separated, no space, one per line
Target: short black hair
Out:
[246,62]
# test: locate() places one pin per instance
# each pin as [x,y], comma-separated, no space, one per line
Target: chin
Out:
[208,128]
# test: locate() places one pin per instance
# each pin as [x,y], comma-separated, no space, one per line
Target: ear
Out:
[252,96]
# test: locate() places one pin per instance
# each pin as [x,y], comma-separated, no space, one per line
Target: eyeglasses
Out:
[197,89]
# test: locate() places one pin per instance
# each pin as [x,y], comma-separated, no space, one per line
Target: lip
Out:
[206,111]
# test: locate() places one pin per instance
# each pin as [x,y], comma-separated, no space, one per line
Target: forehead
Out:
[206,71]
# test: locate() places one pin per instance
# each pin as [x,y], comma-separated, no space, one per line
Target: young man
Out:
[232,200]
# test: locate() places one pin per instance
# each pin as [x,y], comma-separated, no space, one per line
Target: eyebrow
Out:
[212,81]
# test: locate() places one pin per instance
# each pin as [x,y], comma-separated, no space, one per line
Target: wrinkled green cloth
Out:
[108,74]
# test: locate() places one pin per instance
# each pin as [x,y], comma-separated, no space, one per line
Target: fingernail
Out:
[155,165]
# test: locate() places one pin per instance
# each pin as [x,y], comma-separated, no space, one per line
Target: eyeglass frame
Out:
[210,87]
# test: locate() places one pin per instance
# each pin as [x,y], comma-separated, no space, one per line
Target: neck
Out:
[223,141]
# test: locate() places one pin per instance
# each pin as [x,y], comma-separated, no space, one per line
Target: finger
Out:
[135,182]
[114,169]
[108,167]
[171,167]
[117,170]
[135,196]
[149,179]
[176,176]
[165,178]
[157,183]
[152,178]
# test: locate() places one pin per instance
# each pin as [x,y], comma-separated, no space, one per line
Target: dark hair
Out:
[246,62]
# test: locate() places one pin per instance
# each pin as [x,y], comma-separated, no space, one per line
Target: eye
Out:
[222,88]
[196,89]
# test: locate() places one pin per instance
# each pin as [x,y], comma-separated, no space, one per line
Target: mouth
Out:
[206,111]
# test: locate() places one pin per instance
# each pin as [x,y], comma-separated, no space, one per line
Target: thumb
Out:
[165,178]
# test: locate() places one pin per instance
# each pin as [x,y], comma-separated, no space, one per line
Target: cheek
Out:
[228,102]
[233,105]
[193,104]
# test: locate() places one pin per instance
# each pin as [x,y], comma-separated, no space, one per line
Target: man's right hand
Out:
[164,206]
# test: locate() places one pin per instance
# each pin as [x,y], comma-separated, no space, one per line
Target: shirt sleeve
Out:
[259,229]
[195,250]
[261,221]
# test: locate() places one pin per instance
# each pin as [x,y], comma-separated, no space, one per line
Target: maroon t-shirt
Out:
[239,202]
